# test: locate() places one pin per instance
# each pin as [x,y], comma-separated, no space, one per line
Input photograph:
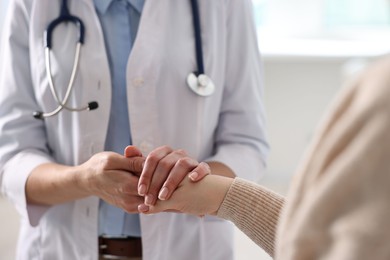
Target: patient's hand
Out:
[200,198]
[163,171]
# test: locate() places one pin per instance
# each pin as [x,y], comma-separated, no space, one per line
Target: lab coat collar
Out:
[102,5]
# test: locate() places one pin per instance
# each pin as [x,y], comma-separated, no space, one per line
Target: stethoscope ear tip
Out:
[93,105]
[38,115]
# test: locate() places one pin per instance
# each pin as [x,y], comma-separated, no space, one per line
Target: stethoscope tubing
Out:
[62,103]
[198,37]
[64,17]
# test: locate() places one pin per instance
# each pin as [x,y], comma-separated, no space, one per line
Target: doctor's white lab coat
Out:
[227,126]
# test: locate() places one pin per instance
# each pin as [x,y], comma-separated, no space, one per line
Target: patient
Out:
[338,206]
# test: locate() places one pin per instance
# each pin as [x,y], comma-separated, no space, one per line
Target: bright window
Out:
[322,15]
[362,27]
[372,14]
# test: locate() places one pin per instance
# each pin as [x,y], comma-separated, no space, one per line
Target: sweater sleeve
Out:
[338,205]
[254,210]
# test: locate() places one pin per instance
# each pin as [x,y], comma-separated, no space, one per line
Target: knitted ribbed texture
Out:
[254,210]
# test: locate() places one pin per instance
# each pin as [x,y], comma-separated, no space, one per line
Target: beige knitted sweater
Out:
[338,206]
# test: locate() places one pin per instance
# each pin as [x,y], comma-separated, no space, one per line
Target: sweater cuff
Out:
[254,210]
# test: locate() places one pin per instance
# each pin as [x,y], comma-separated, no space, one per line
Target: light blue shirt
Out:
[119,20]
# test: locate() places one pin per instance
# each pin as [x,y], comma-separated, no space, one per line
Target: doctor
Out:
[65,172]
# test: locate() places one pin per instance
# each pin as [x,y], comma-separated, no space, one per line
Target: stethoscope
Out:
[64,17]
[197,81]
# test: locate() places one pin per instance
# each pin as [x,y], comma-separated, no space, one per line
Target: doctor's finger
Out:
[136,164]
[130,186]
[159,207]
[130,204]
[133,165]
[150,166]
[112,161]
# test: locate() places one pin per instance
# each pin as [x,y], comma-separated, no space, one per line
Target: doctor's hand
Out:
[163,171]
[196,198]
[114,177]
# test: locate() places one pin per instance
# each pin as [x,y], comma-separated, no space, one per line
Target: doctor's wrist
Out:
[83,180]
[51,184]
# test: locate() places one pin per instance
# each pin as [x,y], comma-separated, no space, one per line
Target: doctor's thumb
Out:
[131,151]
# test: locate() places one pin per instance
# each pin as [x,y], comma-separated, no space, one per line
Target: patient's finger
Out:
[200,172]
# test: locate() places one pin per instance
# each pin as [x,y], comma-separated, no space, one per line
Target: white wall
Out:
[296,94]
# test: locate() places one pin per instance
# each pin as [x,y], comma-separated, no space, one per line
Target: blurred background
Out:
[310,48]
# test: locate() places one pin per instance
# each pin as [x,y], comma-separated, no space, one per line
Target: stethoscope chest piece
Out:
[201,85]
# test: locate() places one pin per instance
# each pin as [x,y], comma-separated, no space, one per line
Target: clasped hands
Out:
[135,183]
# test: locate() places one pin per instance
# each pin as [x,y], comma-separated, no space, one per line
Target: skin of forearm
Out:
[51,184]
[195,198]
[218,188]
[221,169]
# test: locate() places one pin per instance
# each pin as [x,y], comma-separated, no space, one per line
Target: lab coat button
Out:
[138,82]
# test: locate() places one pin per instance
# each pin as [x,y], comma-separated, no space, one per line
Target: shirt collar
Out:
[102,5]
[137,4]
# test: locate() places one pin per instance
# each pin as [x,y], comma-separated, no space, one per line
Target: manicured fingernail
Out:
[142,189]
[193,175]
[163,193]
[143,208]
[149,200]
